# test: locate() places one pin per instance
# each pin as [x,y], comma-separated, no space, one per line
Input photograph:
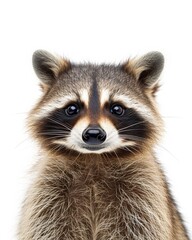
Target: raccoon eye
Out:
[117,109]
[72,109]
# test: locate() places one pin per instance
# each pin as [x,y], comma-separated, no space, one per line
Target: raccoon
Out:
[97,177]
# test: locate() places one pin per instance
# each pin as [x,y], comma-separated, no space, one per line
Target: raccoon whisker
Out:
[129,130]
[59,123]
[49,135]
[60,147]
[132,137]
[132,125]
[68,150]
[56,133]
[129,150]
[55,138]
[57,148]
[59,132]
[126,137]
[111,136]
[165,149]
[136,149]
[50,145]
[21,142]
[65,126]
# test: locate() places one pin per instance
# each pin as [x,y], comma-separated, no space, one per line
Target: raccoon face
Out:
[96,108]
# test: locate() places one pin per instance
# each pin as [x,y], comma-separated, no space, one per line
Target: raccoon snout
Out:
[94,135]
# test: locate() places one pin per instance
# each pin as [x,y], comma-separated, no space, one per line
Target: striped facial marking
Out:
[94,121]
[84,97]
[104,97]
[94,103]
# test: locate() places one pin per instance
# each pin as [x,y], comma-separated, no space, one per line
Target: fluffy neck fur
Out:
[99,199]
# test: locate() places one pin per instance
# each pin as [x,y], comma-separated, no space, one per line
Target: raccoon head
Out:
[95,109]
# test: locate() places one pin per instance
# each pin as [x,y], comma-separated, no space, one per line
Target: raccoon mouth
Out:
[93,148]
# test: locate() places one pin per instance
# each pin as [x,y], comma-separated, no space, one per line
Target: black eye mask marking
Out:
[59,123]
[130,125]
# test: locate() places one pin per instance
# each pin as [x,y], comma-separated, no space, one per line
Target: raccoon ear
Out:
[48,67]
[146,69]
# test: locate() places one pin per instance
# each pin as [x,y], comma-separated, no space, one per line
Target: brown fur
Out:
[108,196]
[95,198]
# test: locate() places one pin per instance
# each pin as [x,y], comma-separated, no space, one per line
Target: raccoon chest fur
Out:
[112,201]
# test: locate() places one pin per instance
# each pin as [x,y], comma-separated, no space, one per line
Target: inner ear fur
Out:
[146,69]
[48,67]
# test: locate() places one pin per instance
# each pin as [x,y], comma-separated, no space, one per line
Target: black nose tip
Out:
[94,135]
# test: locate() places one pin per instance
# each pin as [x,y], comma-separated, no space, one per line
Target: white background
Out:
[96,31]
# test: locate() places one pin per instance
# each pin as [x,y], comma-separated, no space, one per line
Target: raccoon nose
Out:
[94,135]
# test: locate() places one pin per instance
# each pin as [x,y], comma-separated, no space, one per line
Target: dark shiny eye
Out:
[72,110]
[117,109]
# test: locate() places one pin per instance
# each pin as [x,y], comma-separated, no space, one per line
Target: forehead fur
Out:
[113,78]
